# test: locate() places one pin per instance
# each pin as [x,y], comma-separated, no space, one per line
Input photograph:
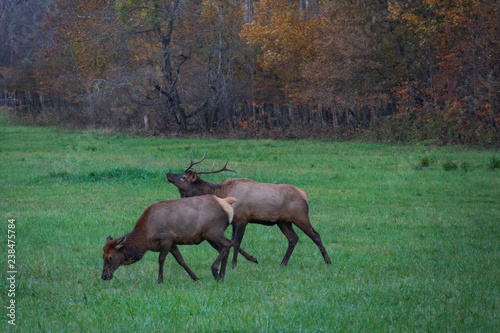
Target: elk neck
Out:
[137,244]
[204,187]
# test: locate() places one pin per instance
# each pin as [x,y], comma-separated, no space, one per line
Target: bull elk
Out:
[166,224]
[262,203]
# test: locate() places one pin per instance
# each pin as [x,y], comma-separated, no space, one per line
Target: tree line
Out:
[384,70]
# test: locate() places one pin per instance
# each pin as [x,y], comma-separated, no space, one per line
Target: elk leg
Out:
[225,256]
[178,256]
[164,250]
[238,231]
[314,235]
[287,229]
[246,255]
[222,246]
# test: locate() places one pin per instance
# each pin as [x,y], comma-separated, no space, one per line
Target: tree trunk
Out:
[171,74]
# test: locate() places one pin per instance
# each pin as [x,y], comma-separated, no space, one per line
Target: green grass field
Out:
[413,233]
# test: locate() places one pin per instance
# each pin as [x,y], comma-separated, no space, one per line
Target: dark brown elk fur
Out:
[166,224]
[263,203]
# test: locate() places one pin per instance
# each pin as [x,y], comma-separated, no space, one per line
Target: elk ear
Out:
[120,242]
[192,177]
[109,238]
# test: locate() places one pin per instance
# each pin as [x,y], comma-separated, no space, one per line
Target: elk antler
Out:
[194,163]
[206,172]
[216,171]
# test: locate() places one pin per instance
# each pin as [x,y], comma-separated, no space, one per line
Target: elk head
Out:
[113,256]
[189,182]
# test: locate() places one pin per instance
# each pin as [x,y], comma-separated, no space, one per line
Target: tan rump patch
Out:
[230,200]
[226,205]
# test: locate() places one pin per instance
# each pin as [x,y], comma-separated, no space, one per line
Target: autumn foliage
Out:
[389,71]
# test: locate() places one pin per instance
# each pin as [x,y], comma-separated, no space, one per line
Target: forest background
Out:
[386,71]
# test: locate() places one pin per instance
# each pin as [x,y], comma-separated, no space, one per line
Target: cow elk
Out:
[165,225]
[262,203]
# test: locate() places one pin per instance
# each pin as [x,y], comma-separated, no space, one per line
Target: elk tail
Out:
[226,205]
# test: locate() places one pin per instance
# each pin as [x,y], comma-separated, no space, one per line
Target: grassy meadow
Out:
[413,232]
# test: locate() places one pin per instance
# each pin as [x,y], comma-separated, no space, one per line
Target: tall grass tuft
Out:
[450,165]
[493,163]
